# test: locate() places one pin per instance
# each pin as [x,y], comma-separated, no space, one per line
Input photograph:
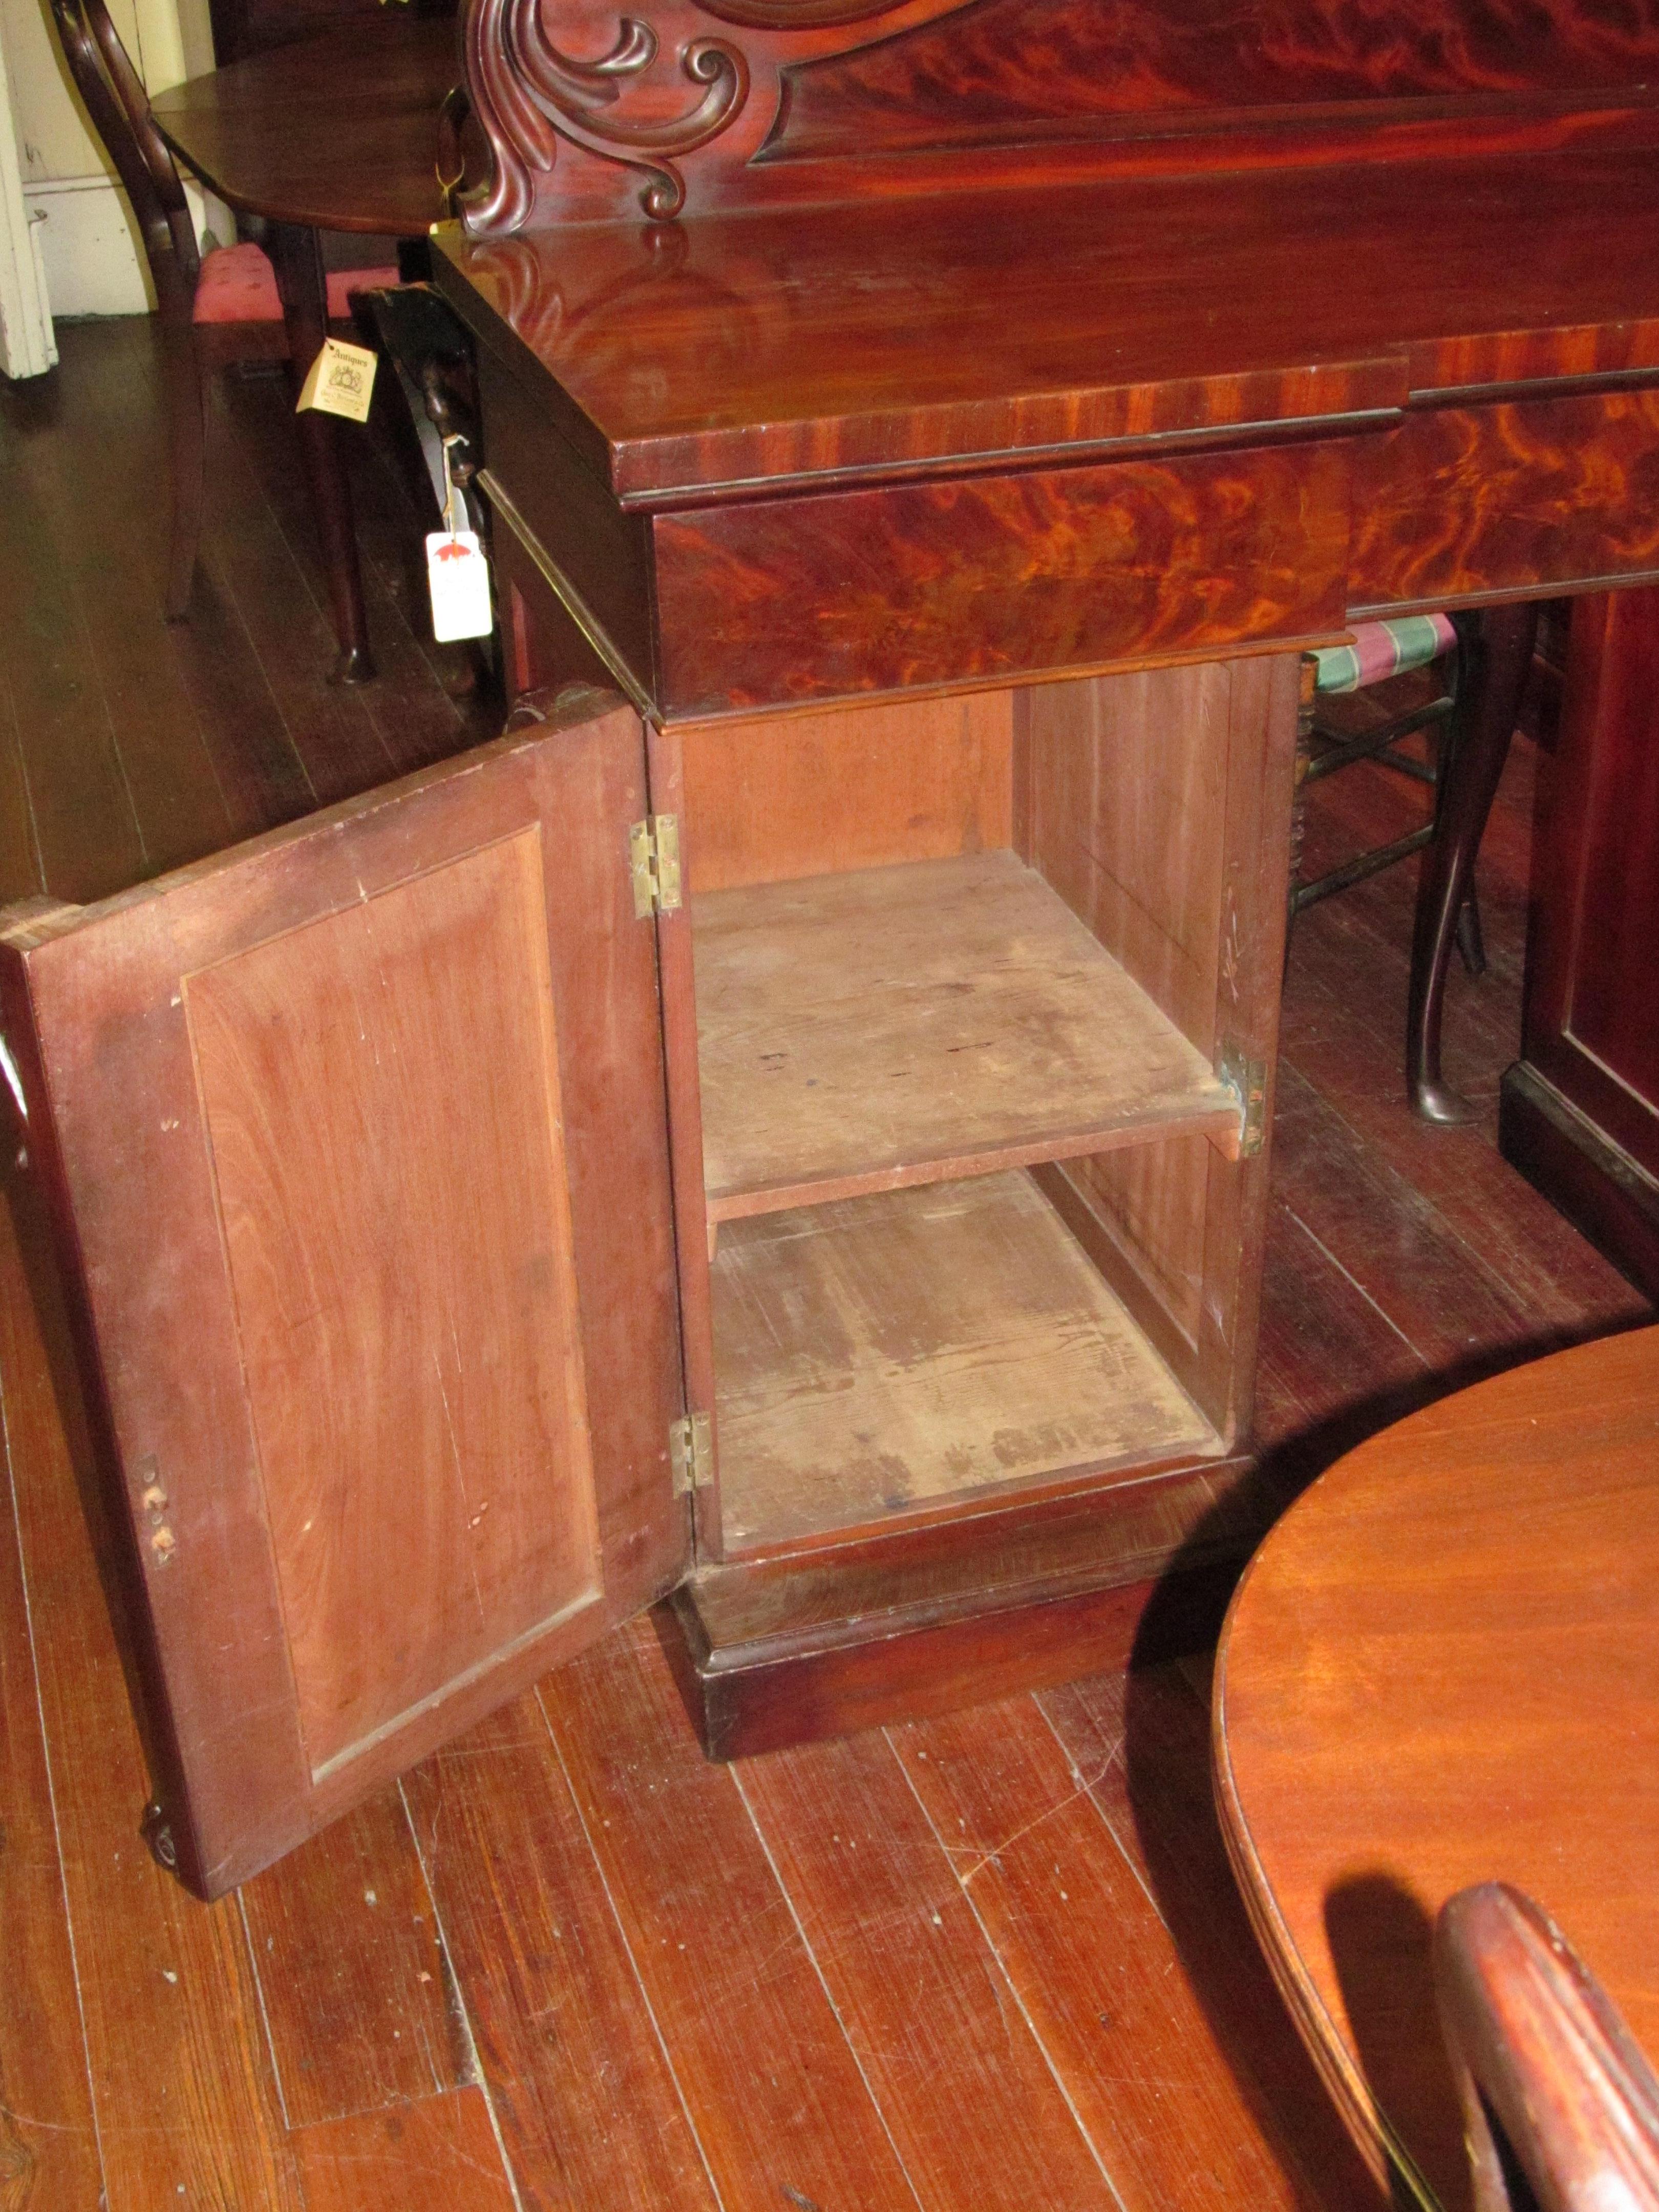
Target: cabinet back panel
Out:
[447,1226]
[769,800]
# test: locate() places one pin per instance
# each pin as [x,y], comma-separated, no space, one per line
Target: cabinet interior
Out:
[955,971]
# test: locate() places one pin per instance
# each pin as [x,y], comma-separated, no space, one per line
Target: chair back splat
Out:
[119,108]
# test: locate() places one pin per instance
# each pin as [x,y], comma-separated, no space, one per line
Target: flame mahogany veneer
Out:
[945,425]
[1028,413]
[815,454]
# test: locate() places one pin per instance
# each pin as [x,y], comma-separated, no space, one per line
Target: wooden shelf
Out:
[902,1025]
[880,1354]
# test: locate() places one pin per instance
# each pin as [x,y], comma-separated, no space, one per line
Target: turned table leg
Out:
[297,254]
[1507,634]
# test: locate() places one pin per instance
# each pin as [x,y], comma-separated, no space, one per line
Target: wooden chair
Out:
[1328,741]
[1561,2109]
[213,311]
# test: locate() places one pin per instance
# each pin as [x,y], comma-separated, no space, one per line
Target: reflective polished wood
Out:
[337,133]
[1442,1668]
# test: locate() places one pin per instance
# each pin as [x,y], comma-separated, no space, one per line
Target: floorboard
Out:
[583,2092]
[992,1960]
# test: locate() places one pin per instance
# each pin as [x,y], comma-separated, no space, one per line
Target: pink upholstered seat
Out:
[239,285]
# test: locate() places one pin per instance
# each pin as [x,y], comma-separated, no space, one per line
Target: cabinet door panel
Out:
[356,1137]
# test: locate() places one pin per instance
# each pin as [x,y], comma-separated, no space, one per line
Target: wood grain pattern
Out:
[917,780]
[49,2152]
[1548,2077]
[1035,1860]
[994,577]
[338,1310]
[1000,72]
[883,1353]
[1157,805]
[351,1973]
[926,330]
[1140,1740]
[780,2113]
[169,2006]
[585,2092]
[367,2162]
[339,132]
[1336,1359]
[1580,1110]
[900,1025]
[1517,1630]
[965,2085]
[1471,502]
[1023,87]
[252,1790]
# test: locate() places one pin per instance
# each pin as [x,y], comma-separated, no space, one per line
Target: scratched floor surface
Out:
[987,1962]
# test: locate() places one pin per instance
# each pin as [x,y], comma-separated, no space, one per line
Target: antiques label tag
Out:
[340,382]
[457,577]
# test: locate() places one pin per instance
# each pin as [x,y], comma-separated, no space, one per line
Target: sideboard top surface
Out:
[886,336]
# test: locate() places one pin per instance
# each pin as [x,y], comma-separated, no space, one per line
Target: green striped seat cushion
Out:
[1383,648]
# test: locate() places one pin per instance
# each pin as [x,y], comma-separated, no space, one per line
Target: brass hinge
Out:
[1248,1081]
[654,857]
[691,1453]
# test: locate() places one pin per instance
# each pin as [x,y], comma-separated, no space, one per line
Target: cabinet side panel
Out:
[772,799]
[1157,805]
[1153,1196]
[399,1056]
[1126,795]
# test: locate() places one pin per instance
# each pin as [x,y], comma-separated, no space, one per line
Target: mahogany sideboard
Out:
[783,1130]
[1579,1112]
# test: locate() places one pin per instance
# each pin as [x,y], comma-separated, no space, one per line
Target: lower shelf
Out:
[901,1349]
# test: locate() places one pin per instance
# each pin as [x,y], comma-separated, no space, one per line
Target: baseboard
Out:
[1606,1195]
[93,261]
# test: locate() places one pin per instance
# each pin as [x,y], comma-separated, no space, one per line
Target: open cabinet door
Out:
[357,1142]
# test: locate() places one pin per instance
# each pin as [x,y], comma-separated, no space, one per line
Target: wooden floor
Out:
[994,1961]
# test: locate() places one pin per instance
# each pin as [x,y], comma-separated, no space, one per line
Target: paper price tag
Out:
[340,382]
[457,577]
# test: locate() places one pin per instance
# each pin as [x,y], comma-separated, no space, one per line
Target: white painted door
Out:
[93,260]
[26,346]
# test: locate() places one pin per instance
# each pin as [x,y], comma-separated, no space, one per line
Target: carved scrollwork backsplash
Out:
[827,100]
[527,94]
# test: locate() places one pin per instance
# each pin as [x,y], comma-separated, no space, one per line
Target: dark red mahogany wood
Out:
[339,132]
[746,103]
[963,440]
[1548,2075]
[1580,1111]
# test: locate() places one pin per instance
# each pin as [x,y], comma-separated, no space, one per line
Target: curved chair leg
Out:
[1470,943]
[293,249]
[1507,636]
[186,400]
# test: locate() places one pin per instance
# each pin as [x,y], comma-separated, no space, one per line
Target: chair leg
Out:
[1503,662]
[186,400]
[1471,945]
[295,250]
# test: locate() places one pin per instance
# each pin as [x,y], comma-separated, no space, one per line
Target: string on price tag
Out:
[457,573]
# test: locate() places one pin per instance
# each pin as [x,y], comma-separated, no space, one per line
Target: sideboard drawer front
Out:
[1466,502]
[998,577]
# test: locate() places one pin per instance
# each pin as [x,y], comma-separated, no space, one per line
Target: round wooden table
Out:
[338,132]
[1442,1667]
